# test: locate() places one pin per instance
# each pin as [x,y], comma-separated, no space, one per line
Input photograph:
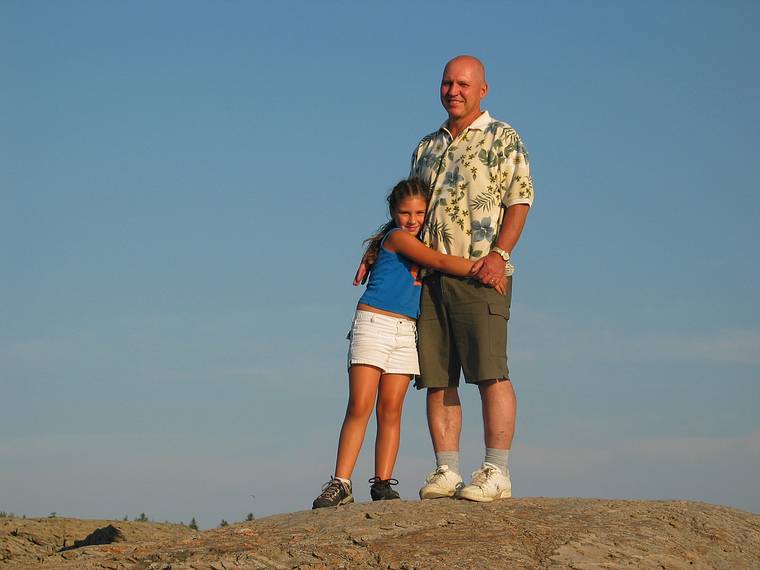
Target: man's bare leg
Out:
[499,406]
[492,481]
[444,416]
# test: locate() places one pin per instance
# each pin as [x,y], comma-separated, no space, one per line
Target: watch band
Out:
[503,254]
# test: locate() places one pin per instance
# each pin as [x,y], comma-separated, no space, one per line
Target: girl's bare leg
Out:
[363,381]
[390,402]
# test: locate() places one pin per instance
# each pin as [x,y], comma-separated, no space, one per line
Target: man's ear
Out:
[484,90]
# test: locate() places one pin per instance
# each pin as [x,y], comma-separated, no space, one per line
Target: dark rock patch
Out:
[106,535]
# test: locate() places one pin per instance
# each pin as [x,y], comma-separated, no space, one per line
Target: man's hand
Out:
[500,286]
[489,270]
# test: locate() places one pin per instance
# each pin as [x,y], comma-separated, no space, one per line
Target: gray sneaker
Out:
[334,494]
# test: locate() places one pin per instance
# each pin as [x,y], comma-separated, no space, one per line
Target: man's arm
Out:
[490,269]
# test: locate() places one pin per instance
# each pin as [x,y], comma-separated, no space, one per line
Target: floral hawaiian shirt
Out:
[473,179]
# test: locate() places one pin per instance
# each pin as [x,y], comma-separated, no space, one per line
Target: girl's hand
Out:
[365,266]
[475,268]
[361,273]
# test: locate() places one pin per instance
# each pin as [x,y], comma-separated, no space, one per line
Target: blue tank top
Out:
[393,284]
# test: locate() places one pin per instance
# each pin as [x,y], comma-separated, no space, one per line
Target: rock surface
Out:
[516,533]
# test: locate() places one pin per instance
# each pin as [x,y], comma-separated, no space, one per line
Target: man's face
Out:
[462,88]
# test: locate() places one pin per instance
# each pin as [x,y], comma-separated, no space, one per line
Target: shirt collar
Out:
[479,124]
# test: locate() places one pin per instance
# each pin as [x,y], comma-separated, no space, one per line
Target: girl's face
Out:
[410,214]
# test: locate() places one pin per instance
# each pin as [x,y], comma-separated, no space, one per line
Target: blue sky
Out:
[185,186]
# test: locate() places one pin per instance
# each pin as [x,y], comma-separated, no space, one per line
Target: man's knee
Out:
[443,396]
[497,388]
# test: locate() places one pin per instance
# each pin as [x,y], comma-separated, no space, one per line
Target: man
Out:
[477,170]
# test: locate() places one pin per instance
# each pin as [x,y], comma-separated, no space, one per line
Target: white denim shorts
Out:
[389,343]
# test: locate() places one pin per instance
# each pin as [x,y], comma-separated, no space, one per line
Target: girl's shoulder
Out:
[403,244]
[393,235]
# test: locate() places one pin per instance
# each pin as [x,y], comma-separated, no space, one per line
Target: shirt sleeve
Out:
[516,177]
[413,165]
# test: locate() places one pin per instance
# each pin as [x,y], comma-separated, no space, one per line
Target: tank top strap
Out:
[385,237]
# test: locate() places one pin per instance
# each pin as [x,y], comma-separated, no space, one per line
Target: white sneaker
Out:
[488,484]
[443,482]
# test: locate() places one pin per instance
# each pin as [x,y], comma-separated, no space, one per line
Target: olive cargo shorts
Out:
[462,325]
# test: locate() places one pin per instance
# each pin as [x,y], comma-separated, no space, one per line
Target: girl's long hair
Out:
[409,188]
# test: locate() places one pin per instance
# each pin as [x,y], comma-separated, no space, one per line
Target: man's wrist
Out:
[501,253]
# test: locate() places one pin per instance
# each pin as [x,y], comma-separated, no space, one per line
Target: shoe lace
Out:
[481,476]
[439,473]
[377,482]
[331,489]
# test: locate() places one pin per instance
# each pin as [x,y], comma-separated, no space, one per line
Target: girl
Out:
[382,356]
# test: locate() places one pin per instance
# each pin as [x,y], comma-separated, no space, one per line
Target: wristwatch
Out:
[503,254]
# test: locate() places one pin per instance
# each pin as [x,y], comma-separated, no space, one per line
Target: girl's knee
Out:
[359,409]
[389,413]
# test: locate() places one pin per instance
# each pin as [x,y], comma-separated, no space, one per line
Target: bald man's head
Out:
[469,60]
[463,86]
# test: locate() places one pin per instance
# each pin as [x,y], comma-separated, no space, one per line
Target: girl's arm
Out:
[410,247]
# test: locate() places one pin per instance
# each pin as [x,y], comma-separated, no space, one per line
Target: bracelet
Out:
[501,253]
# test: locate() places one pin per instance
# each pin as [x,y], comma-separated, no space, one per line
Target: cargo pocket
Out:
[498,315]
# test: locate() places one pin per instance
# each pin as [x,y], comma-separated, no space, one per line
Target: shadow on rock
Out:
[106,535]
